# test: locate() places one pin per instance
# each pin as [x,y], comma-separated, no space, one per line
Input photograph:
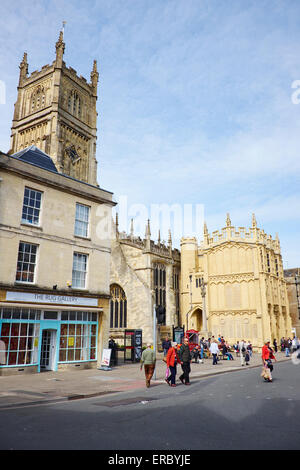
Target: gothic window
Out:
[75,100]
[176,290]
[118,307]
[79,107]
[159,281]
[69,103]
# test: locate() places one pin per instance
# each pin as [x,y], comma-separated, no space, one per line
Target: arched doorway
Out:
[118,307]
[196,321]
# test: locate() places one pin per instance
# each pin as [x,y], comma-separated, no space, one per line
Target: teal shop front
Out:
[43,338]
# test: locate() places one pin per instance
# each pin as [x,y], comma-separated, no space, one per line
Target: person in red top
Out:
[172,361]
[267,356]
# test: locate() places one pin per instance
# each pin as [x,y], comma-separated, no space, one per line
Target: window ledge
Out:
[83,238]
[38,227]
[26,283]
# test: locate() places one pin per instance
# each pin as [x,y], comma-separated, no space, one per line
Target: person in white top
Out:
[243,352]
[214,350]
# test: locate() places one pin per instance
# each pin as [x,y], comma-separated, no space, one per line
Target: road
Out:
[230,411]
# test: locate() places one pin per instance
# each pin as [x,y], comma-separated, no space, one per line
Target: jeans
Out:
[172,375]
[201,353]
[215,360]
[287,352]
[186,371]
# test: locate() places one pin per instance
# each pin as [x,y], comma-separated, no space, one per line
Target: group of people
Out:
[287,345]
[173,357]
[175,354]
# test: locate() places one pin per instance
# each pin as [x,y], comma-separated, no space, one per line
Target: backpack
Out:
[243,349]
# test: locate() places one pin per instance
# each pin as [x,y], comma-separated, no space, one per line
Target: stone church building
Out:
[144,276]
[233,284]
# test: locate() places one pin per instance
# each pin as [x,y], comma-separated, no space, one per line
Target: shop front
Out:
[42,332]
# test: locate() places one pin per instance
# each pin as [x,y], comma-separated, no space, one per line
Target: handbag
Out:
[165,359]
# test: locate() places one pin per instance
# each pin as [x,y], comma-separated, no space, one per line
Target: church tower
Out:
[56,111]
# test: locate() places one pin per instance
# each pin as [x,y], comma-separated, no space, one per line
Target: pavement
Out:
[71,384]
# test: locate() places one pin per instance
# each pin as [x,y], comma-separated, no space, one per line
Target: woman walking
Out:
[172,361]
[267,356]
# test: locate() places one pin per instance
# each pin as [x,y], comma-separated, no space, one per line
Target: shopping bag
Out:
[167,372]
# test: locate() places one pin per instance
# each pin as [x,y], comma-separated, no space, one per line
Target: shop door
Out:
[48,350]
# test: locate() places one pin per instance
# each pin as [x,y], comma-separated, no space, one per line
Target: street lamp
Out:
[191,304]
[203,293]
[297,283]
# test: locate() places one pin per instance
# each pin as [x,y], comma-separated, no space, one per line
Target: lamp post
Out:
[297,283]
[191,304]
[154,336]
[203,293]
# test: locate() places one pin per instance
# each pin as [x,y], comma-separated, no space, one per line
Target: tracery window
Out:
[159,282]
[118,307]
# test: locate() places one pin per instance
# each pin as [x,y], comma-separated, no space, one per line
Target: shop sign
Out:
[51,299]
[106,357]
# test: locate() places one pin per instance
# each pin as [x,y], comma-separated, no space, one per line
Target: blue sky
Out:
[194,100]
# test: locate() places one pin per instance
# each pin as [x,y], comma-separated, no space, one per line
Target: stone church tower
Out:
[56,111]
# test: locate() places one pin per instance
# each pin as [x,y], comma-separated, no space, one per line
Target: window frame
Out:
[82,221]
[24,262]
[76,253]
[33,208]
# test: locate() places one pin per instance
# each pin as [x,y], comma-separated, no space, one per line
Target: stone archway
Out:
[196,320]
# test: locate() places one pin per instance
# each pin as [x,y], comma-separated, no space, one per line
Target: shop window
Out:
[19,343]
[77,342]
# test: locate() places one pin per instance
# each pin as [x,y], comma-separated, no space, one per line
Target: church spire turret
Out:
[23,69]
[60,49]
[94,78]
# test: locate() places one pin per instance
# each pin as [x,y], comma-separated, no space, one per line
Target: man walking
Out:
[148,359]
[214,350]
[166,344]
[185,359]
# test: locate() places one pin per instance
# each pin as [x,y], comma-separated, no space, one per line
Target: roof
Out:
[37,157]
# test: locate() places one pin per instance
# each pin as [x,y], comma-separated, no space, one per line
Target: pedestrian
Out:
[148,359]
[172,361]
[267,356]
[202,346]
[226,352]
[275,345]
[113,355]
[166,344]
[249,349]
[286,347]
[214,351]
[185,359]
[243,352]
[294,343]
[196,353]
[237,348]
